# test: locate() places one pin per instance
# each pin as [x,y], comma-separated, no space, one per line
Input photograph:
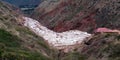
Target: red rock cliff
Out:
[85,15]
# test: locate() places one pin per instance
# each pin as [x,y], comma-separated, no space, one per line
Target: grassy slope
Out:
[18,42]
[11,49]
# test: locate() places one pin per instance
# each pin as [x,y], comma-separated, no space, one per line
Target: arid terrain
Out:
[61,30]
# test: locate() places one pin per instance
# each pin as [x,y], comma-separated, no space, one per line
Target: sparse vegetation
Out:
[113,51]
[10,49]
[8,39]
[74,56]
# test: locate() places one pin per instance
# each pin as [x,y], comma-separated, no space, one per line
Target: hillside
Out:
[35,37]
[103,47]
[84,15]
[18,42]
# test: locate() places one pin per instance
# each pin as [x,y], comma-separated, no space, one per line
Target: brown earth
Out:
[84,15]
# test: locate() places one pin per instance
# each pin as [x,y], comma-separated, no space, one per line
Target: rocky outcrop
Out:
[84,15]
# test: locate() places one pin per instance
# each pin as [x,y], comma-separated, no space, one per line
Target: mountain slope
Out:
[103,47]
[19,43]
[84,15]
[16,41]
